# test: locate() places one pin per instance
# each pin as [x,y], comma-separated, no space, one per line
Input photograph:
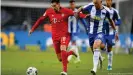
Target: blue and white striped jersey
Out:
[116,18]
[73,23]
[97,18]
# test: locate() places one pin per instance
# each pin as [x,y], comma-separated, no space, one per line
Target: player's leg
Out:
[57,49]
[64,54]
[101,58]
[74,48]
[65,42]
[110,57]
[96,54]
[91,42]
[77,53]
[69,58]
[110,43]
[99,39]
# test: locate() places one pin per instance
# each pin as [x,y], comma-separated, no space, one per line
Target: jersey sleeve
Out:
[110,20]
[37,23]
[81,15]
[46,13]
[70,12]
[87,7]
[108,15]
[117,18]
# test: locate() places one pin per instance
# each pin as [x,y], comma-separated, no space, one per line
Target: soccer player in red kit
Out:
[59,20]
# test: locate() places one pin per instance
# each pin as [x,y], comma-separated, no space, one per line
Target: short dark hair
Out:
[71,1]
[57,1]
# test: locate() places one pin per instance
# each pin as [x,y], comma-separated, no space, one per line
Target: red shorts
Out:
[64,40]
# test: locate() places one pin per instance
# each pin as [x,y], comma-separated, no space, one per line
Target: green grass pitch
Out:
[16,62]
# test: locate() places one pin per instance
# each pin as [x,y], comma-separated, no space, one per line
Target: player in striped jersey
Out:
[109,33]
[73,28]
[98,14]
[101,58]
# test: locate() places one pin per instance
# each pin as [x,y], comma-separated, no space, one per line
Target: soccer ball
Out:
[31,71]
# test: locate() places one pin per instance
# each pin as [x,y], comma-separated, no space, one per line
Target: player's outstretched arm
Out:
[80,9]
[36,24]
[81,15]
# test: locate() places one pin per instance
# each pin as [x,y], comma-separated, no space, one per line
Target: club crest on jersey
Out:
[52,15]
[62,15]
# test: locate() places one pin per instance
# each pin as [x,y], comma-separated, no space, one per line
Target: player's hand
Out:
[30,32]
[87,15]
[116,37]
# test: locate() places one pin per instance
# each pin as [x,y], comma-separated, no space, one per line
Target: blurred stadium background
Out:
[18,16]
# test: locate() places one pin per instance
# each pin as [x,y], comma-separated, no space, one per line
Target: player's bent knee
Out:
[97,44]
[63,47]
[63,44]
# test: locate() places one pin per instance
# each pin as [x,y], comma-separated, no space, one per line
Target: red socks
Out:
[64,60]
[64,56]
[69,53]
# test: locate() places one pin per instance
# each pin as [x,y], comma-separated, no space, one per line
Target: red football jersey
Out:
[58,20]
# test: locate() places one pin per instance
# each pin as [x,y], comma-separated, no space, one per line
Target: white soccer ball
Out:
[31,71]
